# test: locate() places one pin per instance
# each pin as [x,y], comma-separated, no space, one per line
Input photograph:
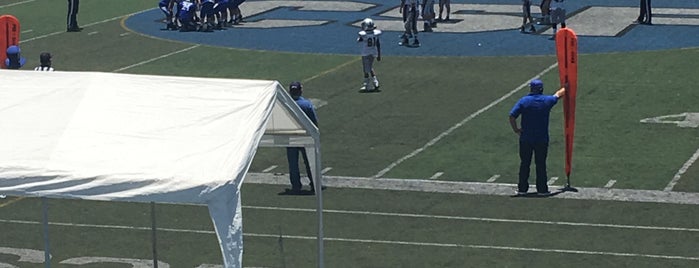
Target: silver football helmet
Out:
[368,24]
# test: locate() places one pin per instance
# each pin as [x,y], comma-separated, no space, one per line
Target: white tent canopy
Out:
[144,138]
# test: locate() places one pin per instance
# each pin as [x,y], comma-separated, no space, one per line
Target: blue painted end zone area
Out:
[602,26]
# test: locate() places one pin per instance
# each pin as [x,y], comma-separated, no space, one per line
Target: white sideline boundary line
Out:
[373,241]
[483,188]
[563,251]
[459,124]
[683,169]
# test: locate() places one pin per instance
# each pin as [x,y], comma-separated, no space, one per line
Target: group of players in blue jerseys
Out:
[182,15]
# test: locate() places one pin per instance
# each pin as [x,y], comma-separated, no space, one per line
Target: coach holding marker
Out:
[72,18]
[535,109]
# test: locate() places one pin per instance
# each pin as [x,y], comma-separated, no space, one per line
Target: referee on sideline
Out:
[72,18]
[45,59]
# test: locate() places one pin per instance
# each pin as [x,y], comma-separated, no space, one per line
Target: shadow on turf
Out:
[369,91]
[299,192]
[537,195]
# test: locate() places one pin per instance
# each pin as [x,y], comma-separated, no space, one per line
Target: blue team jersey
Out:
[535,109]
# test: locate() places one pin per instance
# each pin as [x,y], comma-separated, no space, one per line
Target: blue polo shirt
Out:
[535,109]
[307,108]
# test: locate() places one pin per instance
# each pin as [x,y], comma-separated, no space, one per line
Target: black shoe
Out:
[647,23]
[74,29]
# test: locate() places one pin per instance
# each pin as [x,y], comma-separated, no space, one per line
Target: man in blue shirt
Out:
[534,134]
[292,153]
[14,58]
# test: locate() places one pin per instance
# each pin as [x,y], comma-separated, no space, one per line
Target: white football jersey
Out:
[368,40]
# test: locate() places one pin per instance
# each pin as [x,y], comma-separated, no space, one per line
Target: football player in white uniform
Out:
[371,49]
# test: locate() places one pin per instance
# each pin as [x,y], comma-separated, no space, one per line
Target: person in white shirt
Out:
[45,59]
[370,46]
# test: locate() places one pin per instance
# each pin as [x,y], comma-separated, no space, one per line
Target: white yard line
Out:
[86,25]
[681,172]
[480,219]
[18,3]
[156,58]
[459,124]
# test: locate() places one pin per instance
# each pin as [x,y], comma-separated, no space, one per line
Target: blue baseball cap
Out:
[13,50]
[295,86]
[536,85]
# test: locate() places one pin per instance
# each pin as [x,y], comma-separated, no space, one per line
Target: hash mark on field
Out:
[493,178]
[93,33]
[552,181]
[124,34]
[27,31]
[459,124]
[325,170]
[610,184]
[156,58]
[436,175]
[269,168]
[681,172]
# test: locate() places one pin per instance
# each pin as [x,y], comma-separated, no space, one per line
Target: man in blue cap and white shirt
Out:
[534,134]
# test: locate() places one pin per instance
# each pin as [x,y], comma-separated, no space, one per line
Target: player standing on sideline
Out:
[410,13]
[371,49]
[72,18]
[527,16]
[558,15]
[645,16]
[45,60]
[444,4]
[428,15]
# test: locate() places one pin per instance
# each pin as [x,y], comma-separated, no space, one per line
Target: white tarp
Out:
[110,136]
